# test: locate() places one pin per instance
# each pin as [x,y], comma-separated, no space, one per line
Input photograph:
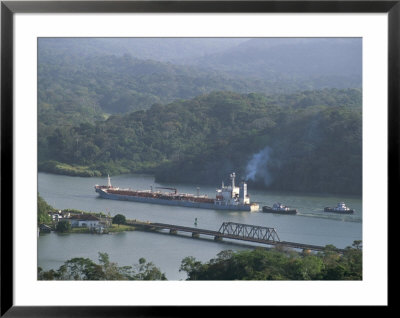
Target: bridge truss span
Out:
[247,231]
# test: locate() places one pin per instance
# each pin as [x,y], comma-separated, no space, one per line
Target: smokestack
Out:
[233,175]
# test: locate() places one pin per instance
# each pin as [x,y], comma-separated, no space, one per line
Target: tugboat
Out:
[279,208]
[340,208]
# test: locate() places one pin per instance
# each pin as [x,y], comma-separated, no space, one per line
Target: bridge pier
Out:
[172,231]
[217,238]
[195,235]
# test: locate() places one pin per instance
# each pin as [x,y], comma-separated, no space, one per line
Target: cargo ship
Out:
[227,197]
[279,208]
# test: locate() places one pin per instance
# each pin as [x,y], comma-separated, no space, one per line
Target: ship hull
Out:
[183,203]
[338,211]
[267,209]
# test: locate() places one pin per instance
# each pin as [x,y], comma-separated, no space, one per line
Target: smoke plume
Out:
[257,167]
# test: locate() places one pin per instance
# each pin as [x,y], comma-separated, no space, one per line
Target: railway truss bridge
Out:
[230,230]
[246,232]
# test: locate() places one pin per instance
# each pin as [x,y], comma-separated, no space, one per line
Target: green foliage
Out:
[63,226]
[257,264]
[261,264]
[119,219]
[80,81]
[43,210]
[191,266]
[120,228]
[46,275]
[100,109]
[85,269]
[53,166]
[314,137]
[147,271]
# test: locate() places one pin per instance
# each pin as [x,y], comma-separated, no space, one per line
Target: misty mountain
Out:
[121,84]
[271,58]
[291,58]
[160,49]
[79,80]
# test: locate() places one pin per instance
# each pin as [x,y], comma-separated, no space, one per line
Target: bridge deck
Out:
[217,234]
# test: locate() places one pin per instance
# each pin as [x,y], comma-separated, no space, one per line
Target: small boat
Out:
[340,208]
[279,208]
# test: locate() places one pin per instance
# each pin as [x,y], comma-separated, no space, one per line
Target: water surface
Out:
[310,226]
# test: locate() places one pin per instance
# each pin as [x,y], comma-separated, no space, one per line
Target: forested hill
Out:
[82,80]
[108,84]
[308,141]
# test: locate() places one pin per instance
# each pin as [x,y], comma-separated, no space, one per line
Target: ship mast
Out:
[109,181]
[233,175]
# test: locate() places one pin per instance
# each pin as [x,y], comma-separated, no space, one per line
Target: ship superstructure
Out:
[232,195]
[227,198]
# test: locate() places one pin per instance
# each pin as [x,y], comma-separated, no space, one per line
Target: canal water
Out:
[310,226]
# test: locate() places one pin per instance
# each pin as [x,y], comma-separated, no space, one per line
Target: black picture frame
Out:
[9,8]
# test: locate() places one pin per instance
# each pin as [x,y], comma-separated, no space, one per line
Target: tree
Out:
[191,266]
[43,210]
[112,271]
[119,219]
[261,264]
[147,271]
[308,267]
[63,226]
[357,244]
[80,268]
[49,275]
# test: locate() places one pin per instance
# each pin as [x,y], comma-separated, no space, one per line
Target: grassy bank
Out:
[113,229]
[96,169]
[69,170]
[120,228]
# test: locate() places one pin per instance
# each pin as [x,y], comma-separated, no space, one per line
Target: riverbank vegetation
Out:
[119,219]
[257,264]
[112,229]
[56,167]
[63,226]
[43,209]
[262,264]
